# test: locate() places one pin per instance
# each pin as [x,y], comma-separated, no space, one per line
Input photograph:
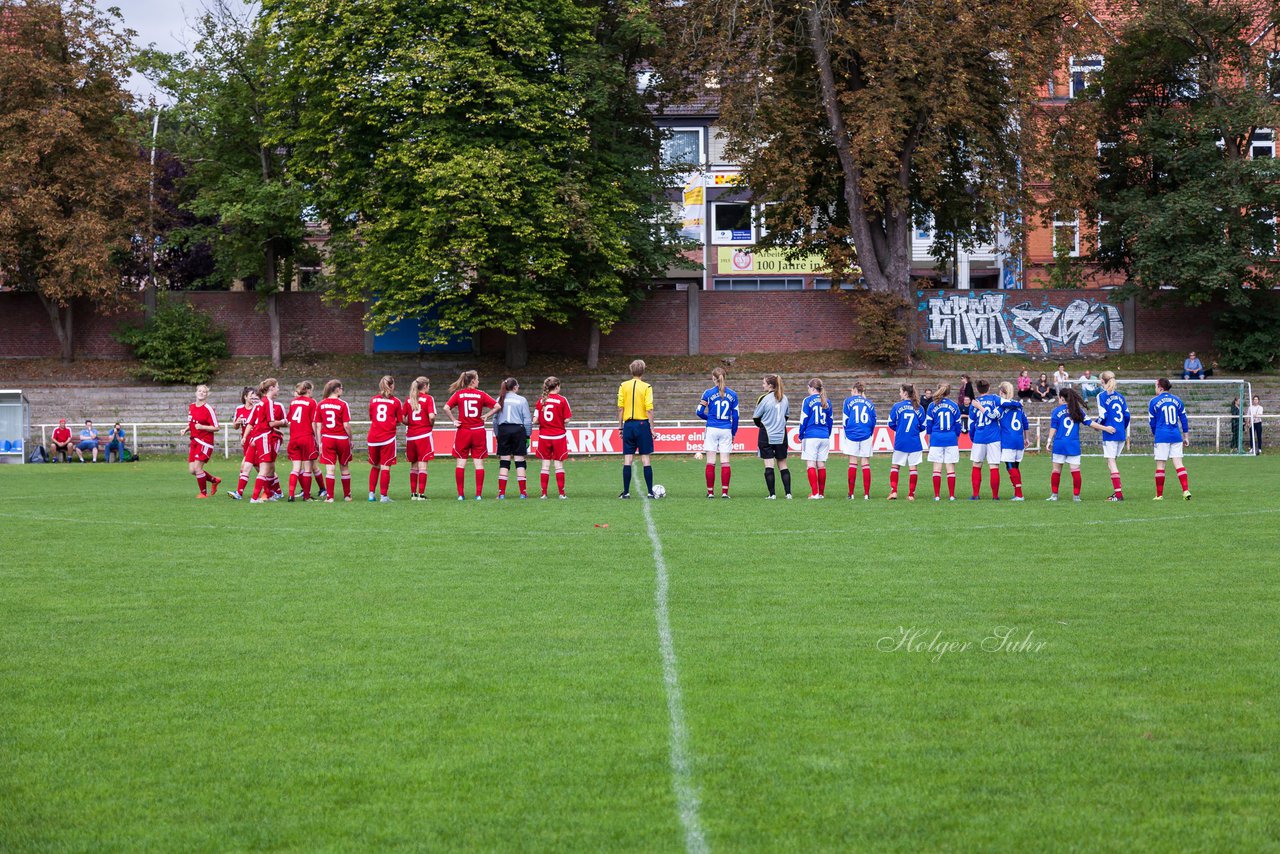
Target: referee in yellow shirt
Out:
[635,411]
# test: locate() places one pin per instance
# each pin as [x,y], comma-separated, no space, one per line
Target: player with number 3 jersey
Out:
[335,439]
[552,414]
[1113,411]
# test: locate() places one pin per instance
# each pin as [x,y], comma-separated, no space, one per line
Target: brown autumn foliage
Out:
[73,185]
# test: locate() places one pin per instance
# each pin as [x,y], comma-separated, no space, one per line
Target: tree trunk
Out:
[273,319]
[593,347]
[517,350]
[60,318]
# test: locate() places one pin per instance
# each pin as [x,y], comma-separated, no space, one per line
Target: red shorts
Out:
[472,442]
[382,455]
[422,450]
[553,449]
[199,452]
[302,450]
[335,452]
[262,449]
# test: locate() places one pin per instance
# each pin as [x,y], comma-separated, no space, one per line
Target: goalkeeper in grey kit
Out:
[772,409]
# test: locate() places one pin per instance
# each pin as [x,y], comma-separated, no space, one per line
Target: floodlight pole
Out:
[149,295]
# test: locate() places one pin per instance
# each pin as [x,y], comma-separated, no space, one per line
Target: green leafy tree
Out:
[238,183]
[489,166]
[1187,212]
[856,116]
[73,185]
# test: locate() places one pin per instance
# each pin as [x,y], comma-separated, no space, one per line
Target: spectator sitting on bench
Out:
[60,442]
[1192,368]
[1025,391]
[115,442]
[88,442]
[1089,385]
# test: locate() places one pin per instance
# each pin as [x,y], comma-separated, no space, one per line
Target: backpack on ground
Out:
[38,455]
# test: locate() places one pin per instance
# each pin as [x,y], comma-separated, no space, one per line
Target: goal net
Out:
[1212,427]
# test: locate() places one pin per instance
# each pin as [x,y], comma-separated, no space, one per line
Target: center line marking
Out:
[695,842]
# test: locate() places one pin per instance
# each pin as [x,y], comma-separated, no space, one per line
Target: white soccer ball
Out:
[659,491]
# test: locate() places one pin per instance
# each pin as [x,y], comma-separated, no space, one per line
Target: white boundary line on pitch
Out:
[695,842]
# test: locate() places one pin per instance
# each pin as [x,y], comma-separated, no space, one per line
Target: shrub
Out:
[1248,335]
[881,320]
[177,345]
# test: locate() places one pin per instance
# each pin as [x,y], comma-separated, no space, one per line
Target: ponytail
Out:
[1075,404]
[910,391]
[266,384]
[303,388]
[418,386]
[549,385]
[774,382]
[508,385]
[943,391]
[331,386]
[718,374]
[816,385]
[858,387]
[1108,380]
[387,386]
[464,379]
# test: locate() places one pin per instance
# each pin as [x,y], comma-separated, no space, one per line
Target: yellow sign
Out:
[722,180]
[773,262]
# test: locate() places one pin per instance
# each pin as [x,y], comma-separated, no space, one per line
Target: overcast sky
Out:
[162,22]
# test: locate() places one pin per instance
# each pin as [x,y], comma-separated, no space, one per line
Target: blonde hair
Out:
[637,368]
[943,391]
[1108,380]
[549,385]
[1006,390]
[719,375]
[774,382]
[416,388]
[387,386]
[202,387]
[816,385]
[303,388]
[265,385]
[331,387]
[464,379]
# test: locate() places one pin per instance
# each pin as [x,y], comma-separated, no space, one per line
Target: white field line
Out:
[695,842]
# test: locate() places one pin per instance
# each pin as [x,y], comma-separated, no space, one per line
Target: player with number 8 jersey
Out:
[552,414]
[384,417]
[335,439]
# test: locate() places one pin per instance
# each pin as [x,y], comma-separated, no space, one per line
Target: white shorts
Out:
[907,458]
[860,449]
[1111,450]
[986,453]
[815,450]
[1168,451]
[949,454]
[1011,455]
[717,439]
[1062,459]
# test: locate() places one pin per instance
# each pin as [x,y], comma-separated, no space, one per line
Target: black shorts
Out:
[513,441]
[773,452]
[637,438]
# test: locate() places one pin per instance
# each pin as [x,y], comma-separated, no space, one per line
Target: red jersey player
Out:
[384,415]
[248,400]
[471,441]
[264,441]
[419,414]
[335,438]
[552,414]
[304,439]
[61,441]
[202,426]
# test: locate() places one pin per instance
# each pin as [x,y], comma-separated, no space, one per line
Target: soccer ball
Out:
[659,491]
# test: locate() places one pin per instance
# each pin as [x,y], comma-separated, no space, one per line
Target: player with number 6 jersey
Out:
[815,437]
[468,408]
[551,414]
[335,439]
[1113,411]
[904,421]
[1013,436]
[1169,432]
[384,417]
[859,428]
[419,446]
[304,439]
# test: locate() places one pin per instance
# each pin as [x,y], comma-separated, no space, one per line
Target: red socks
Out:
[385,481]
[937,484]
[373,479]
[241,484]
[306,486]
[346,486]
[460,477]
[560,481]
[201,481]
[725,473]
[711,478]
[1015,477]
[893,480]
[1159,483]
[329,484]
[995,483]
[522,481]
[1182,479]
[813,481]
[951,484]
[853,479]
[976,477]
[546,481]
[293,483]
[1115,483]
[479,481]
[822,481]
[866,481]
[1075,481]
[502,482]
[1054,480]
[911,483]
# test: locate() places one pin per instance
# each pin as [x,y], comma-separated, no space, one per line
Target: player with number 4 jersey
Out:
[859,429]
[551,414]
[304,439]
[1169,432]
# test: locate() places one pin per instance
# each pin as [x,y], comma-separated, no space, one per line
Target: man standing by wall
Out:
[635,414]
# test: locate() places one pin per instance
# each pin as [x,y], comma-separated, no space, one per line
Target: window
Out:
[731,224]
[682,147]
[769,284]
[1066,233]
[1273,73]
[1187,86]
[1263,144]
[1083,71]
[1106,152]
[825,285]
[1264,232]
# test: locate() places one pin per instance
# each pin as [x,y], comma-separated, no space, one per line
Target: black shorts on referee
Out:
[637,437]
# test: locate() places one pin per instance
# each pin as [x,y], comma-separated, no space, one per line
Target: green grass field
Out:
[189,676]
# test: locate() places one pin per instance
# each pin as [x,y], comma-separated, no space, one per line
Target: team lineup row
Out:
[319,434]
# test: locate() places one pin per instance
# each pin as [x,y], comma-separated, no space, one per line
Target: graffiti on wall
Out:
[982,323]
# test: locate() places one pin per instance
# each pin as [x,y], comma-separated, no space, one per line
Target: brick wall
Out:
[1175,328]
[774,322]
[659,326]
[306,321]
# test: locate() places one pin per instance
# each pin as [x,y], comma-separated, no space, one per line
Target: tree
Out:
[485,165]
[1189,213]
[72,181]
[237,185]
[855,116]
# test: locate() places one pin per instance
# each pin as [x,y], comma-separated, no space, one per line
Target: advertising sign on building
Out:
[767,262]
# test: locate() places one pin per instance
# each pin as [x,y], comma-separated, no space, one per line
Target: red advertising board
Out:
[587,441]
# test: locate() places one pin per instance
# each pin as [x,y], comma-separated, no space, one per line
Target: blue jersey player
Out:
[719,408]
[1013,436]
[1113,411]
[905,421]
[942,424]
[859,429]
[984,431]
[1169,432]
[815,437]
[1064,440]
